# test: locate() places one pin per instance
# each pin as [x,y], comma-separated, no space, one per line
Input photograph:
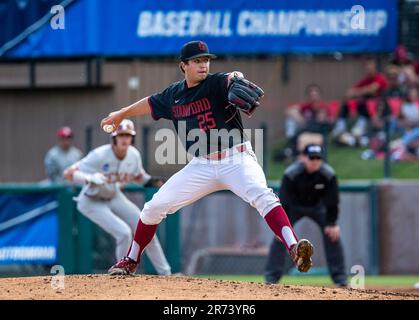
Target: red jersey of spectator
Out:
[378,78]
[309,109]
[416,66]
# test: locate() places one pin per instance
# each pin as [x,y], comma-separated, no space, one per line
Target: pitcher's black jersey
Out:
[201,114]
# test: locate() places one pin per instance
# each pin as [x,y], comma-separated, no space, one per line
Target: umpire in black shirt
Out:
[309,188]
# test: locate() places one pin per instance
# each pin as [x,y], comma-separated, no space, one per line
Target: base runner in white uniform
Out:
[206,105]
[103,172]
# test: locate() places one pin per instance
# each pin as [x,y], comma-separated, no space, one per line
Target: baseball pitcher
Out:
[103,172]
[206,105]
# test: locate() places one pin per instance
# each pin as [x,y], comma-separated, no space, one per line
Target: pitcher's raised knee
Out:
[265,201]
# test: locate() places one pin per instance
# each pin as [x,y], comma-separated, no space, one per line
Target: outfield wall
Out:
[379,224]
[399,227]
[224,220]
[380,228]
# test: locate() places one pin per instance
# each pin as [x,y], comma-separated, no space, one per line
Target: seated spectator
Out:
[416,67]
[311,115]
[403,62]
[394,89]
[397,88]
[407,148]
[372,85]
[409,111]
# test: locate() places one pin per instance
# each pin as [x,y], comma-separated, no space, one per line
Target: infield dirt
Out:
[146,287]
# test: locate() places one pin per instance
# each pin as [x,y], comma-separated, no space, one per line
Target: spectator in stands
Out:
[403,123]
[409,111]
[397,90]
[405,67]
[311,115]
[407,148]
[416,67]
[61,156]
[372,85]
[394,89]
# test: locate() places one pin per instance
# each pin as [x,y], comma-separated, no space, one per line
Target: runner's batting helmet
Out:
[126,126]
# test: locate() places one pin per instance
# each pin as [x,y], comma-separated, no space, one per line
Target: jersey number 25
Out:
[206,121]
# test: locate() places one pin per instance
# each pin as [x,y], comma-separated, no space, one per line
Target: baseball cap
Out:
[65,132]
[126,126]
[313,150]
[195,49]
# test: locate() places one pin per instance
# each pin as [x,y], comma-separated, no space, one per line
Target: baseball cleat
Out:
[301,255]
[124,267]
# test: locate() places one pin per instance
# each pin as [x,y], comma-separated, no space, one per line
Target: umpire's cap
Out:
[313,150]
[195,49]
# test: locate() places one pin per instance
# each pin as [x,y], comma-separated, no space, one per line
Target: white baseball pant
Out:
[239,172]
[119,217]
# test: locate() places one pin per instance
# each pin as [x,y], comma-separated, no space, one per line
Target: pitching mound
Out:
[177,288]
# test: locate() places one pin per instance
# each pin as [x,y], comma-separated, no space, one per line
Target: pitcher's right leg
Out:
[130,213]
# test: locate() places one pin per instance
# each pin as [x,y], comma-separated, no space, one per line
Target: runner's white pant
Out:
[119,217]
[240,173]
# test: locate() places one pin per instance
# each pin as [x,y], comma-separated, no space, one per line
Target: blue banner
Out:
[16,16]
[28,229]
[160,27]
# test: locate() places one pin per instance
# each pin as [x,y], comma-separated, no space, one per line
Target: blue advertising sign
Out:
[16,16]
[28,229]
[141,27]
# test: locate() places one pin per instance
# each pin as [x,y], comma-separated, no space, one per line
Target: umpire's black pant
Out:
[334,251]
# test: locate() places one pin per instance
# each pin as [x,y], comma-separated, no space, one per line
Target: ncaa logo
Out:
[105,167]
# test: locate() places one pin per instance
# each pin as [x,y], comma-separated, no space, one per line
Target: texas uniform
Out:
[109,208]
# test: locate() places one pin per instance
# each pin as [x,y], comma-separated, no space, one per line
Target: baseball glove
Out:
[104,191]
[244,95]
[155,182]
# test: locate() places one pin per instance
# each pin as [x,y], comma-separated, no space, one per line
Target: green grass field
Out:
[396,280]
[349,166]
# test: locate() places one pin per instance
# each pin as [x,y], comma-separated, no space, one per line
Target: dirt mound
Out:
[145,287]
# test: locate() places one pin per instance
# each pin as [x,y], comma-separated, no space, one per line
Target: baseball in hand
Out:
[108,128]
